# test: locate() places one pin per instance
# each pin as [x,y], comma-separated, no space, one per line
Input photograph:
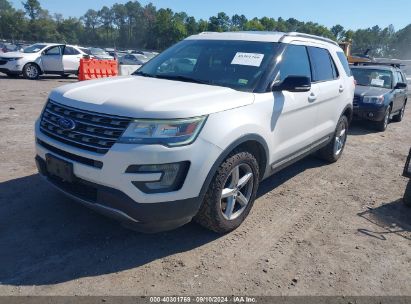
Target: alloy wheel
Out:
[32,71]
[237,191]
[340,138]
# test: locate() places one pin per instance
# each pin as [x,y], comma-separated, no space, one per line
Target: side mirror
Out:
[400,86]
[294,84]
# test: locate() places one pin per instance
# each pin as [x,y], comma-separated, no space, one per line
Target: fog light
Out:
[172,176]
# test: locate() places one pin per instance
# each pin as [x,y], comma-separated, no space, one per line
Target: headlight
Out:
[176,132]
[14,59]
[379,100]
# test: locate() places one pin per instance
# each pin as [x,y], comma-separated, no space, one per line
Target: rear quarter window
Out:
[344,62]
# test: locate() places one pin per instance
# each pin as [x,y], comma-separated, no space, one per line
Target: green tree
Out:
[338,32]
[33,8]
[219,23]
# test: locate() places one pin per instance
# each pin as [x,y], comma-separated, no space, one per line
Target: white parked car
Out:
[193,132]
[133,59]
[42,58]
[97,53]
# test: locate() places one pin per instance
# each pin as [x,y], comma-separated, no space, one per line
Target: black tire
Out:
[211,214]
[400,115]
[333,151]
[31,71]
[383,124]
[407,195]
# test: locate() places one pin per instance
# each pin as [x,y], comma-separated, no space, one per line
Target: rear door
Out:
[331,99]
[52,59]
[71,59]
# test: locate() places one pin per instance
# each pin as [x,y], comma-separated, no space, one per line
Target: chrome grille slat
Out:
[81,133]
[84,122]
[94,131]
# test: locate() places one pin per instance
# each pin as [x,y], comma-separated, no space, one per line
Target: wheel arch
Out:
[36,64]
[348,112]
[253,143]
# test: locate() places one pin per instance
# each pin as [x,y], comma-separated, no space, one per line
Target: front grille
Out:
[93,131]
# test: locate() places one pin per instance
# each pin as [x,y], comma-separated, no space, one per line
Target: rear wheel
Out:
[231,193]
[407,194]
[400,115]
[31,71]
[333,151]
[383,124]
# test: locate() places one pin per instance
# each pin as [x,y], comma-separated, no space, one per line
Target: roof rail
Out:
[301,35]
[393,64]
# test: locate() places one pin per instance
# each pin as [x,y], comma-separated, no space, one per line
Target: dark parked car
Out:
[380,94]
[407,173]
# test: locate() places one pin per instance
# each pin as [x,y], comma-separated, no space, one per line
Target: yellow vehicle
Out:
[352,59]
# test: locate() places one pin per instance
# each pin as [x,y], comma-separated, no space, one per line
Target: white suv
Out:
[193,132]
[42,58]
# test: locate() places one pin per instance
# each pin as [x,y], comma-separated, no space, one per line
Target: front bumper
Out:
[117,205]
[112,190]
[369,113]
[11,67]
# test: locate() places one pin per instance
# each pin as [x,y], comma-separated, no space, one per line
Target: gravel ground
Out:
[315,229]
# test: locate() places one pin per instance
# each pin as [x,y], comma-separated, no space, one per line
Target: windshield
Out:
[373,77]
[34,48]
[235,64]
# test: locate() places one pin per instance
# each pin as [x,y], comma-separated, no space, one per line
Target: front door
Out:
[52,59]
[294,113]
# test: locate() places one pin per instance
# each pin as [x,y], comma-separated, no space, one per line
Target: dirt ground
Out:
[315,229]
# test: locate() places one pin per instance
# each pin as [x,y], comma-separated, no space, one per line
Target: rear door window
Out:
[295,62]
[323,67]
[70,51]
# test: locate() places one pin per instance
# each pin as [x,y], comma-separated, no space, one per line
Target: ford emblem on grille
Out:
[66,123]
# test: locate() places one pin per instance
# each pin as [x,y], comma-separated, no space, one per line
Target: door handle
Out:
[341,89]
[312,97]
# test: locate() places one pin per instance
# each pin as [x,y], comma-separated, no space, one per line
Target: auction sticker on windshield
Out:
[250,59]
[377,82]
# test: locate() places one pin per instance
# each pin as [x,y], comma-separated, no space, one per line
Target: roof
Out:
[262,36]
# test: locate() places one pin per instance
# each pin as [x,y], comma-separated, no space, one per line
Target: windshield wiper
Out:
[183,78]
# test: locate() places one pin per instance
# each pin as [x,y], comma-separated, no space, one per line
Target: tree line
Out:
[132,25]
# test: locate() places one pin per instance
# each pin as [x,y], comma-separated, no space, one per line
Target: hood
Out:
[370,91]
[142,97]
[13,54]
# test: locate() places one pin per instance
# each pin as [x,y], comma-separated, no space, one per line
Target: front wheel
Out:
[333,151]
[383,124]
[31,71]
[231,193]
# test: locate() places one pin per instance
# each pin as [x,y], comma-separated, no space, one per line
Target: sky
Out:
[352,14]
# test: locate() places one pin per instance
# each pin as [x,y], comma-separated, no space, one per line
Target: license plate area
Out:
[59,168]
